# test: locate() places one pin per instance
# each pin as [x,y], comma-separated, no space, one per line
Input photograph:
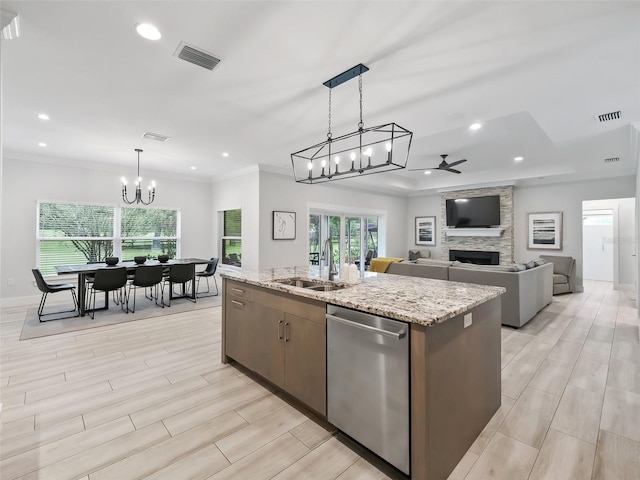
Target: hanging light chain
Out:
[329,131]
[361,123]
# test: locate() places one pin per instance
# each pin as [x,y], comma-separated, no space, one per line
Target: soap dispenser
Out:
[345,272]
[353,272]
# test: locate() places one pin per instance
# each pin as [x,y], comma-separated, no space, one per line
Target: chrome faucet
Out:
[332,265]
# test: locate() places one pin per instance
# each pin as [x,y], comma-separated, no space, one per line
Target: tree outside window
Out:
[69,234]
[232,237]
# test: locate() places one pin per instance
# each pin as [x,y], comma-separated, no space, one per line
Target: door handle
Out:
[279,330]
[236,302]
[286,332]
[237,290]
[379,331]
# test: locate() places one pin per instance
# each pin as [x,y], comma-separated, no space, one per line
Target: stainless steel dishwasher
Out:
[368,381]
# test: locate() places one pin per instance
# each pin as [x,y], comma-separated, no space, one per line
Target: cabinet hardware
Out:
[237,290]
[279,330]
[287,337]
[237,303]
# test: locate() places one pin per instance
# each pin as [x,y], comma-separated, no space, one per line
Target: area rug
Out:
[33,328]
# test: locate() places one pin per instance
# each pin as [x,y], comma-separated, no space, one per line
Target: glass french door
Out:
[354,238]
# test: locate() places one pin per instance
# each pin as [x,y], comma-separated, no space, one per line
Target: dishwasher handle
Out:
[397,335]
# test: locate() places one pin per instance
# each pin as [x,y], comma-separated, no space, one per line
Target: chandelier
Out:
[138,198]
[367,150]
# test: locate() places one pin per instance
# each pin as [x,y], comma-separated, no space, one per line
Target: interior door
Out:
[597,238]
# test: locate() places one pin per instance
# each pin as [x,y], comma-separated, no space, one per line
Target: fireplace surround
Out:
[475,256]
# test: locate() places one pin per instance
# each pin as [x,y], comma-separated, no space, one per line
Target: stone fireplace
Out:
[479,240]
[475,256]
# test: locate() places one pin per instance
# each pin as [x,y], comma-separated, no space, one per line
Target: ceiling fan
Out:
[443,165]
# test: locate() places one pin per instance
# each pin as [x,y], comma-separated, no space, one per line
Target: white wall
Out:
[424,206]
[279,192]
[24,183]
[240,191]
[567,198]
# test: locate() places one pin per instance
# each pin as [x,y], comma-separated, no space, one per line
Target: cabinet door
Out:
[306,361]
[239,330]
[268,344]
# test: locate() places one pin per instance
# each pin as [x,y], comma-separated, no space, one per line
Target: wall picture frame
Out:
[545,231]
[284,225]
[426,231]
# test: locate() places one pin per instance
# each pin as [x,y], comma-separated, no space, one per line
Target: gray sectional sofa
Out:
[529,290]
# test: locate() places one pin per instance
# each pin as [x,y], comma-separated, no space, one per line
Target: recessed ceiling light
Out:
[43,116]
[42,144]
[475,126]
[225,154]
[427,172]
[518,158]
[148,31]
[193,168]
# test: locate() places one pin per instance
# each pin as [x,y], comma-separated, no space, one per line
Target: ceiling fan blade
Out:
[453,164]
[421,169]
[453,170]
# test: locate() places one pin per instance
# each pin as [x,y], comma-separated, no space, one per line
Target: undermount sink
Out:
[317,285]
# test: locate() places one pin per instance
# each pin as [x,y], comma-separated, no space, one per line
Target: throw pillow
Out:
[539,261]
[414,254]
[530,264]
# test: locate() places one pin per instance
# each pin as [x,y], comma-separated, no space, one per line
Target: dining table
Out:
[85,269]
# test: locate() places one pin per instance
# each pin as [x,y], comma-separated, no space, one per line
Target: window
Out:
[149,232]
[69,234]
[232,237]
[354,237]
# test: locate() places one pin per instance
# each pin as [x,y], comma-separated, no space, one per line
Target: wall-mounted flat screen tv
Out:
[473,212]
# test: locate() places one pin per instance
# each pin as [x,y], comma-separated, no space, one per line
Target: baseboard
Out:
[626,286]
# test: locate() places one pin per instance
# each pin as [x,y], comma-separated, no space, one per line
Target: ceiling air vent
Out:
[612,160]
[155,136]
[605,117]
[196,56]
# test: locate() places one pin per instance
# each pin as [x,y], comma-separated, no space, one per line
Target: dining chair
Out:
[146,276]
[47,288]
[182,274]
[210,271]
[88,280]
[107,280]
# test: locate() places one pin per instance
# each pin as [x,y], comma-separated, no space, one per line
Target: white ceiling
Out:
[535,74]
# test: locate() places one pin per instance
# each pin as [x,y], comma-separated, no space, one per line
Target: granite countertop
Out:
[411,299]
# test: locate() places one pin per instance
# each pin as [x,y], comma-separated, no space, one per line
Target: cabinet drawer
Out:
[239,290]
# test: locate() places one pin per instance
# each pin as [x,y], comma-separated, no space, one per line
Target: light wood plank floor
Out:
[150,399]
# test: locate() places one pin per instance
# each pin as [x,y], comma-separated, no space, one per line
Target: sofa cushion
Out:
[560,278]
[496,268]
[561,264]
[434,261]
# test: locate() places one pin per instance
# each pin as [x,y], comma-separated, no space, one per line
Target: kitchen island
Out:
[273,323]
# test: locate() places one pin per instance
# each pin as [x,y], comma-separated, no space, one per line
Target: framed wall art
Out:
[284,225]
[545,231]
[426,231]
